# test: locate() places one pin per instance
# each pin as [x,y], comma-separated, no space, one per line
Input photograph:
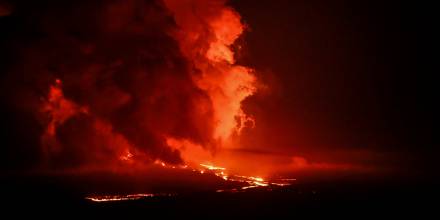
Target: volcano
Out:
[216,108]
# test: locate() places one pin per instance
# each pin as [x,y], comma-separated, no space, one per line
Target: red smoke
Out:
[126,83]
[140,81]
[207,30]
[59,110]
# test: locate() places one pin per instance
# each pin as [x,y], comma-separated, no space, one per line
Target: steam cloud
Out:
[118,81]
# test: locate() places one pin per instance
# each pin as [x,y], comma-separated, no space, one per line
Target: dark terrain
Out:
[350,196]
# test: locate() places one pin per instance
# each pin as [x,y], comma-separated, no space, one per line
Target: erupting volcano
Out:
[171,103]
[172,92]
[174,106]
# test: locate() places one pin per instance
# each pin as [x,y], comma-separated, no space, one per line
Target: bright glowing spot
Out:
[210,167]
[114,198]
[127,156]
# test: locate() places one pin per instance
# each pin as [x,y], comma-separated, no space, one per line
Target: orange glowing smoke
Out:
[148,129]
[102,138]
[58,109]
[207,29]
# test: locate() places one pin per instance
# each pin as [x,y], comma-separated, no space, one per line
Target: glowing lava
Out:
[210,167]
[115,198]
[250,181]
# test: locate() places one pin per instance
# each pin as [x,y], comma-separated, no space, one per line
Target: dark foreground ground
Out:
[348,197]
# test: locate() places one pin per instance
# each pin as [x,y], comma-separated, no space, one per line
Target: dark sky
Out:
[341,77]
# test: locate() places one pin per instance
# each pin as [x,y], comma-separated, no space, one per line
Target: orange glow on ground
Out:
[251,182]
[115,198]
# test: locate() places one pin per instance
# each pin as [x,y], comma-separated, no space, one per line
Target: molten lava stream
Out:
[249,181]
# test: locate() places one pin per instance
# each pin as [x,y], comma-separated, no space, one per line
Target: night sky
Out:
[344,77]
[342,81]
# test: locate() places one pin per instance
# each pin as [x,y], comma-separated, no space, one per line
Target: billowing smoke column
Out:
[206,31]
[133,81]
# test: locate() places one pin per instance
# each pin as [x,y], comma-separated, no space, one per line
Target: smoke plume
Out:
[129,81]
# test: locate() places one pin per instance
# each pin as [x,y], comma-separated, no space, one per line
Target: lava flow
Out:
[249,181]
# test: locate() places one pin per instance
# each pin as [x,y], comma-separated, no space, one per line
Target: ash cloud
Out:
[117,59]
